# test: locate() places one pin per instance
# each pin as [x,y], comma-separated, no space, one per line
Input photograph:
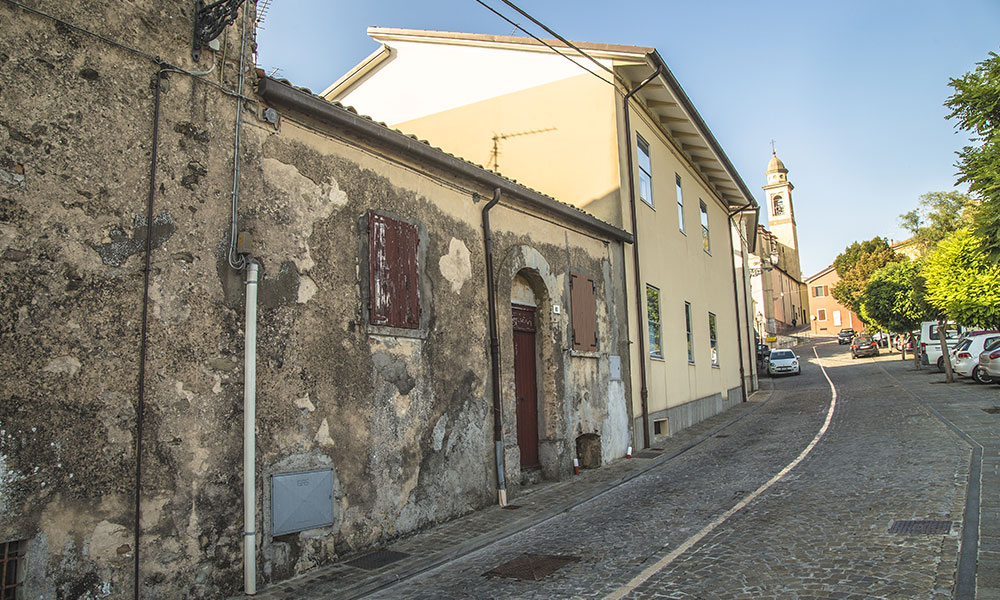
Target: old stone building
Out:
[126,169]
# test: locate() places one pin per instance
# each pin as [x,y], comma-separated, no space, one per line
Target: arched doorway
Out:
[523,307]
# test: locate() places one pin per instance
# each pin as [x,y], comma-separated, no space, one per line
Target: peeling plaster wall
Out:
[403,422]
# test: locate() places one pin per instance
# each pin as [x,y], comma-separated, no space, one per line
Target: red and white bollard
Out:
[628,453]
[576,466]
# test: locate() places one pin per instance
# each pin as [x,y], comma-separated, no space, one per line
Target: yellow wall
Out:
[677,264]
[575,162]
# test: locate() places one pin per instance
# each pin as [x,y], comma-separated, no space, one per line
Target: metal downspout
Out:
[736,299]
[643,389]
[491,302]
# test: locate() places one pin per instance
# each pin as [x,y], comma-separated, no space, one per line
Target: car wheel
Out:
[979,377]
[940,363]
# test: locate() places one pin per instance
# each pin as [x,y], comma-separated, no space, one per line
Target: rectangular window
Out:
[690,333]
[583,312]
[821,314]
[680,203]
[704,226]
[393,282]
[713,339]
[818,291]
[653,317]
[12,561]
[645,171]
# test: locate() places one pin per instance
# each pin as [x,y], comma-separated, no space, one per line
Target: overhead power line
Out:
[548,45]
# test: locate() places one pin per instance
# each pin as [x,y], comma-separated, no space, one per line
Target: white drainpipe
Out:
[249,435]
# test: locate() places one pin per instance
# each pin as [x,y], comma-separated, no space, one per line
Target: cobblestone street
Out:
[820,530]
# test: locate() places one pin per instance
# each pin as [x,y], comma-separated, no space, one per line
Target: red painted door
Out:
[525,384]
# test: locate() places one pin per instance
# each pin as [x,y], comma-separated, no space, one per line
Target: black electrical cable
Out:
[559,37]
[546,44]
[141,402]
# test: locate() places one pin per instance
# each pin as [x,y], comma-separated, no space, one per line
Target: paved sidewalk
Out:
[438,545]
[974,411]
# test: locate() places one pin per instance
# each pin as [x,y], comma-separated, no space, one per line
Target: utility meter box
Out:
[301,501]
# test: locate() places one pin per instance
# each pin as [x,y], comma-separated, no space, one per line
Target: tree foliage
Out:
[894,298]
[975,105]
[855,266]
[938,215]
[962,282]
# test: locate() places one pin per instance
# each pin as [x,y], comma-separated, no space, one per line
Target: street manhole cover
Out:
[377,559]
[993,410]
[921,527]
[531,567]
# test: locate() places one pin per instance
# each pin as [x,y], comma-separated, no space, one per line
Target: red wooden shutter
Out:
[583,312]
[393,286]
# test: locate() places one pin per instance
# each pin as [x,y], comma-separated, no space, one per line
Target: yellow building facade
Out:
[562,126]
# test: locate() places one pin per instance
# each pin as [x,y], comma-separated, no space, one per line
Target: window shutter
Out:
[393,283]
[826,290]
[583,312]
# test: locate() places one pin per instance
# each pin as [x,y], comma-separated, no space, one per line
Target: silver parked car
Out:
[989,360]
[965,356]
[783,362]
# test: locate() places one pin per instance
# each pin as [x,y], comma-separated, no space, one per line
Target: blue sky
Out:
[851,91]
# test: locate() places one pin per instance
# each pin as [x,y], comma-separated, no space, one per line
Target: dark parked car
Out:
[762,352]
[845,336]
[864,345]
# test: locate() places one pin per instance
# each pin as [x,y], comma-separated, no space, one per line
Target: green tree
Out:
[855,266]
[938,215]
[893,298]
[975,106]
[962,282]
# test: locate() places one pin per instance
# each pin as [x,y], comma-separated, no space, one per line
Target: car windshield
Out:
[964,345]
[863,339]
[781,354]
[992,345]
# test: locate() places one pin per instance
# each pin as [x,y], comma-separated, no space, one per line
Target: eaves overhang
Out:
[287,97]
[667,102]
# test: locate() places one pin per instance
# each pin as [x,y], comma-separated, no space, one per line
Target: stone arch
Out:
[525,266]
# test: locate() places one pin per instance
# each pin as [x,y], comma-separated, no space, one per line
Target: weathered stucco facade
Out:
[403,420]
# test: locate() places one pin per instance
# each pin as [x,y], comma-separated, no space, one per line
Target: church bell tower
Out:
[781,214]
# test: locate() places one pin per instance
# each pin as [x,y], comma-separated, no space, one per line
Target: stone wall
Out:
[404,422]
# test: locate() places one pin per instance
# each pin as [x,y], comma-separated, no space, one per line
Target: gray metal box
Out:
[301,501]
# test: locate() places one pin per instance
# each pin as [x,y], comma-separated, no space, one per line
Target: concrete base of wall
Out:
[685,415]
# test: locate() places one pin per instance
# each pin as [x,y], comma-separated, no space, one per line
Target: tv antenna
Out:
[495,154]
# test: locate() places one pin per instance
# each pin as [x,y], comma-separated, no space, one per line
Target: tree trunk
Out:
[949,376]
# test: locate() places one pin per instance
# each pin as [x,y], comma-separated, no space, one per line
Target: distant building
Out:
[776,277]
[826,315]
[908,248]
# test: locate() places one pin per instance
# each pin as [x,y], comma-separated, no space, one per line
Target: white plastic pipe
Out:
[249,435]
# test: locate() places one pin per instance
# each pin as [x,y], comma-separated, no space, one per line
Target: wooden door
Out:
[525,384]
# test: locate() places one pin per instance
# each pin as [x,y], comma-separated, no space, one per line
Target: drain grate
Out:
[531,567]
[722,435]
[921,527]
[512,506]
[651,453]
[993,410]
[377,560]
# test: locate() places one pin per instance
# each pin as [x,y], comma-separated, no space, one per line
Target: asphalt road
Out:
[795,500]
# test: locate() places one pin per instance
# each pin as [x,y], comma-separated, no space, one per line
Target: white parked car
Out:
[989,361]
[930,345]
[965,356]
[783,362]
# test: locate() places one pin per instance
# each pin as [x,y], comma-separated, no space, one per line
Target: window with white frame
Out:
[704,226]
[690,333]
[713,339]
[653,318]
[645,171]
[680,203]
